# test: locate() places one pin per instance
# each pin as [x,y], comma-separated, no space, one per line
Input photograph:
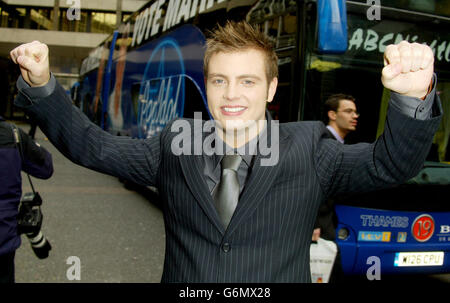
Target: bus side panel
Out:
[148,84]
[403,241]
[87,95]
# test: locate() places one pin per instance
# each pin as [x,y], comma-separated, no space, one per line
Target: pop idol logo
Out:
[162,93]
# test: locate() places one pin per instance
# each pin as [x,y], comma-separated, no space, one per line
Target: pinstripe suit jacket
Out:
[269,236]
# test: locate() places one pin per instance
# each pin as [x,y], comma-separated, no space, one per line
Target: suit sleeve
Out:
[395,157]
[86,144]
[37,161]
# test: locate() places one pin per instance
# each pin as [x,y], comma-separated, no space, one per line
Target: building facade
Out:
[70,28]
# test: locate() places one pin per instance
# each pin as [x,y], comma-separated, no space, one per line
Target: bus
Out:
[149,71]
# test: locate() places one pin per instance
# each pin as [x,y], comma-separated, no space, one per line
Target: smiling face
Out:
[237,88]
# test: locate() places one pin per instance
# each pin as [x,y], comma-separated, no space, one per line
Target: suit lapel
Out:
[192,167]
[258,184]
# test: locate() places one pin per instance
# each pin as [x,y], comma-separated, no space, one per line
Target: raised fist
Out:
[33,61]
[408,69]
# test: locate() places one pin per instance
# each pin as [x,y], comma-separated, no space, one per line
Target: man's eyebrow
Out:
[253,76]
[249,76]
[216,75]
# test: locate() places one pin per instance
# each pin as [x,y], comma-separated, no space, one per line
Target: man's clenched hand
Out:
[408,69]
[33,61]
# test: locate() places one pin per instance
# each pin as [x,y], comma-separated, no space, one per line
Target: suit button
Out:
[226,247]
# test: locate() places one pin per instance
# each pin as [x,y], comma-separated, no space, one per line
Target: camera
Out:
[29,222]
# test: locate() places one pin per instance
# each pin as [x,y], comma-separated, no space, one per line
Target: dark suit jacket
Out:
[326,216]
[329,134]
[269,236]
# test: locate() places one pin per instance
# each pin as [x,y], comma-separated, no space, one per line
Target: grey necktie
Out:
[226,195]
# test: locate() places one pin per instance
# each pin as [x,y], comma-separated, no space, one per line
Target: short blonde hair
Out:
[239,36]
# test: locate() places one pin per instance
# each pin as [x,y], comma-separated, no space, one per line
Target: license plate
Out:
[429,258]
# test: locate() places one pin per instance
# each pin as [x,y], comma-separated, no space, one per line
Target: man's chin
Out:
[236,125]
[231,124]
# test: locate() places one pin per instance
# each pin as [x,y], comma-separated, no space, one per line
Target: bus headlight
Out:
[343,233]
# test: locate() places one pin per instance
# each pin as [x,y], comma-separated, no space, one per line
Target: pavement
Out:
[99,230]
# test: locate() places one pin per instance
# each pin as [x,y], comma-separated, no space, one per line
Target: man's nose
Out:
[231,92]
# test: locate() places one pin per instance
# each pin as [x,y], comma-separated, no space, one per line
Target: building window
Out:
[42,19]
[4,20]
[73,25]
[103,22]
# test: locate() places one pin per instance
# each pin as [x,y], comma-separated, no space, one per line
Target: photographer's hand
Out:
[33,61]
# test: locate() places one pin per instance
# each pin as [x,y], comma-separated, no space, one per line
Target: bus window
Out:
[357,71]
[439,7]
[442,137]
[280,23]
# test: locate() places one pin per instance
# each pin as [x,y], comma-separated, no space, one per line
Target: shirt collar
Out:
[244,151]
[335,134]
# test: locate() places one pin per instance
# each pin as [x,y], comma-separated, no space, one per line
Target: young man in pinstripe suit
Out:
[269,234]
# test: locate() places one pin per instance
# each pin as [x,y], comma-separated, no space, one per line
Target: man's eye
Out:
[248,82]
[218,81]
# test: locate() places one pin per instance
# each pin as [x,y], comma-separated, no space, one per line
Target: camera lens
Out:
[40,245]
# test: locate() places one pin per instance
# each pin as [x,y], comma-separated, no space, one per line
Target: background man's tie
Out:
[226,195]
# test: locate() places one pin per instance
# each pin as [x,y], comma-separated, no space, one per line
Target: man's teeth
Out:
[233,109]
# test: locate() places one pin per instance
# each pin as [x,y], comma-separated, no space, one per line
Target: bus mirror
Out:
[332,27]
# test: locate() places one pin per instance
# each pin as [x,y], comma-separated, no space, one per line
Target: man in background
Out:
[342,116]
[342,119]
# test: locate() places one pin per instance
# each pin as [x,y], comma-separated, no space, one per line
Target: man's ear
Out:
[332,115]
[272,89]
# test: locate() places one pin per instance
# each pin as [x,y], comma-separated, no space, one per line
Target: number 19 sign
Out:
[423,228]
